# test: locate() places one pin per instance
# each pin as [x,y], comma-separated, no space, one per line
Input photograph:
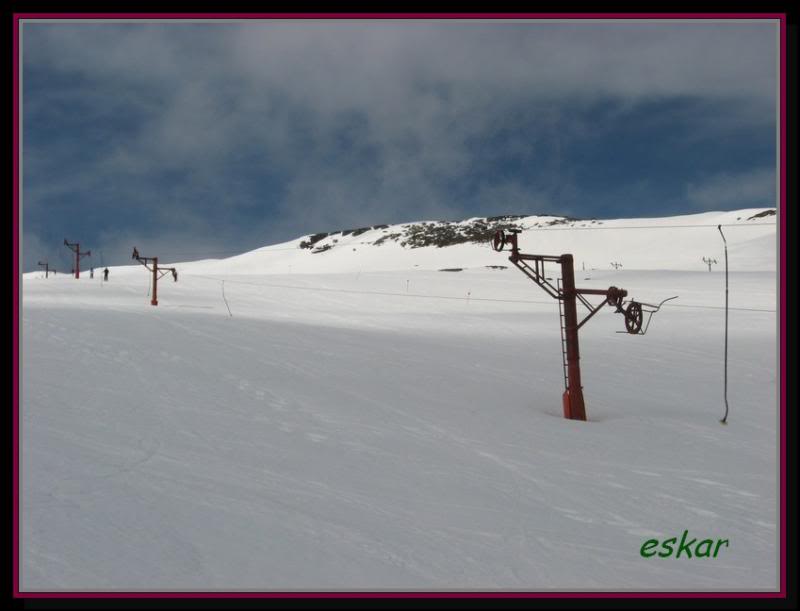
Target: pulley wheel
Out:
[499,240]
[633,317]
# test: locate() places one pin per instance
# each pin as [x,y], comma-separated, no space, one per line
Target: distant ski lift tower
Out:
[46,268]
[568,295]
[158,272]
[709,262]
[76,248]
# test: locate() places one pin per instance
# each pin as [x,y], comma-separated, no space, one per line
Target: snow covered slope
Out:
[397,427]
[672,243]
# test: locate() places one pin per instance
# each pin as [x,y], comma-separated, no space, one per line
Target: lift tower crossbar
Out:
[569,296]
[158,272]
[76,248]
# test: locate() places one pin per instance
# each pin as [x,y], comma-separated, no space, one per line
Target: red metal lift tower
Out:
[568,296]
[158,272]
[76,248]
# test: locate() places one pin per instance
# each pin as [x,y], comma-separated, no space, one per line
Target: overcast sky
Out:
[191,140]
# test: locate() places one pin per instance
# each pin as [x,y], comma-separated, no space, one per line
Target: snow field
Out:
[393,429]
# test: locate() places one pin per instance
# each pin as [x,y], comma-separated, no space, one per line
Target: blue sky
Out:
[191,140]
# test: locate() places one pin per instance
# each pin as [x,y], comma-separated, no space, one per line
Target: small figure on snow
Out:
[91,273]
[105,274]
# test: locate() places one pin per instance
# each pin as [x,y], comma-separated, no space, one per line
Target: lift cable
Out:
[427,296]
[584,228]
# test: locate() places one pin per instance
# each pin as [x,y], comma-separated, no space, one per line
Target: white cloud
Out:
[433,85]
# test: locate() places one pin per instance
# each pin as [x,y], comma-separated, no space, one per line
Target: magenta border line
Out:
[15,341]
[782,338]
[439,594]
[574,16]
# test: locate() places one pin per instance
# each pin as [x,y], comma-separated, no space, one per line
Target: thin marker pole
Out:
[725,417]
[225,300]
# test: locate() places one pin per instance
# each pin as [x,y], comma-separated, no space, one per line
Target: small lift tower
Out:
[158,272]
[46,268]
[76,248]
[709,261]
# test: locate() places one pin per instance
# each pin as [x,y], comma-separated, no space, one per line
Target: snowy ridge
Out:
[672,243]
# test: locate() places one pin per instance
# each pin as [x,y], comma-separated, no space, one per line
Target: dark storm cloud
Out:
[266,130]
